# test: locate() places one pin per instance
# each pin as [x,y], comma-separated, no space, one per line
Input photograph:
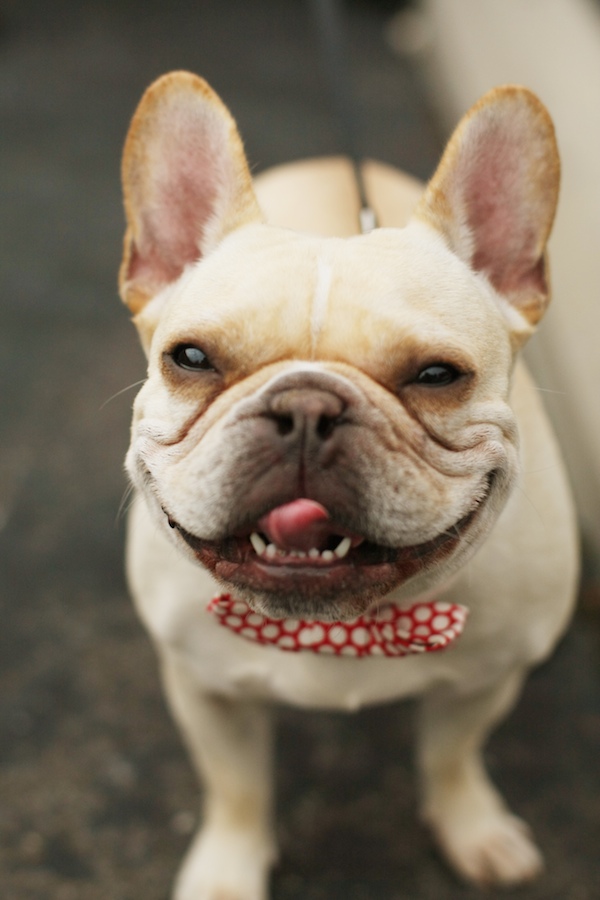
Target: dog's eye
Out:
[438,375]
[188,356]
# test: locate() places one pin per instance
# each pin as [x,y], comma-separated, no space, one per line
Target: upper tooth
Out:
[343,547]
[258,543]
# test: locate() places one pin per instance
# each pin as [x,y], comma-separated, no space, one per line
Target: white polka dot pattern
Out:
[422,628]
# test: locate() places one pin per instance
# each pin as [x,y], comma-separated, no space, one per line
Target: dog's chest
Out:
[228,664]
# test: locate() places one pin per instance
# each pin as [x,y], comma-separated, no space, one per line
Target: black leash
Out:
[328,17]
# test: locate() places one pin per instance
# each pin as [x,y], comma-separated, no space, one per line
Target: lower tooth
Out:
[258,543]
[271,550]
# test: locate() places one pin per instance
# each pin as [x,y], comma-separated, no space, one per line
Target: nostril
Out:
[285,425]
[325,426]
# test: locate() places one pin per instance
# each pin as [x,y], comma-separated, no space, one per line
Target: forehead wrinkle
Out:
[320,301]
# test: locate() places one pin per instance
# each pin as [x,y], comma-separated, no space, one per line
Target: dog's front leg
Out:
[480,837]
[230,745]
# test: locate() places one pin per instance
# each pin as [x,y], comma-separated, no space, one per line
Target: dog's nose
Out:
[309,413]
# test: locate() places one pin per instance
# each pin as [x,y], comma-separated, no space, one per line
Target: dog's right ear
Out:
[186,184]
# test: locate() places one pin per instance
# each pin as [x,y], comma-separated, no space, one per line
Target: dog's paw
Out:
[494,850]
[225,864]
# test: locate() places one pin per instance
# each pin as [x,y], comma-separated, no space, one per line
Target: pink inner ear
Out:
[503,213]
[180,180]
[173,224]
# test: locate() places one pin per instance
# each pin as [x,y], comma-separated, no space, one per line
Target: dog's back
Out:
[321,196]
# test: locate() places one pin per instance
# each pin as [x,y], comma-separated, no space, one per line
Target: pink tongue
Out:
[300,525]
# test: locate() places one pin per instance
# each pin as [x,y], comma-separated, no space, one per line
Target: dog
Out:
[346,489]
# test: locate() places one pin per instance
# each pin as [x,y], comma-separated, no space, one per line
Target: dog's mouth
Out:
[297,559]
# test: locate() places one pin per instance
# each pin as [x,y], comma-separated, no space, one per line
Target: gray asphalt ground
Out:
[97,800]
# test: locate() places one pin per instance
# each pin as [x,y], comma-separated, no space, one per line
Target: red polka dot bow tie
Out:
[391,631]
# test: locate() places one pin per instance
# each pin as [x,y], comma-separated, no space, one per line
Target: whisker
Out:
[122,391]
[452,532]
[125,504]
[550,391]
[530,501]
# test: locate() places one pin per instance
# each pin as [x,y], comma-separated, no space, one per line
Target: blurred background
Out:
[97,801]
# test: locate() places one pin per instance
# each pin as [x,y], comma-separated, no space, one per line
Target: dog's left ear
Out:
[186,184]
[493,198]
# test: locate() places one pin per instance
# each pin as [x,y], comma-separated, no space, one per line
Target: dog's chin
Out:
[339,583]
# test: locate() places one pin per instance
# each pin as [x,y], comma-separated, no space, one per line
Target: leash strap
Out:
[328,18]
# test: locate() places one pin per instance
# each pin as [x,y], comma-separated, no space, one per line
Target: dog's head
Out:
[327,420]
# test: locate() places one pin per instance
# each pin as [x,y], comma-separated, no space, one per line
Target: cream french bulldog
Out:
[346,488]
